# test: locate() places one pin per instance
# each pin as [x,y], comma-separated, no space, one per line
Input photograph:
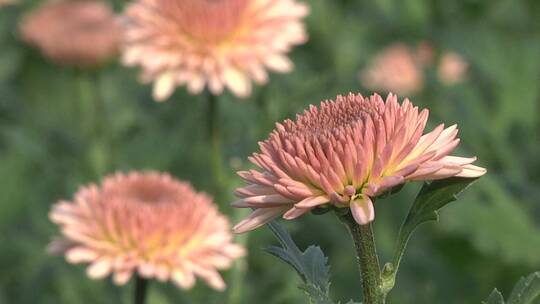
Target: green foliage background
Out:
[54,136]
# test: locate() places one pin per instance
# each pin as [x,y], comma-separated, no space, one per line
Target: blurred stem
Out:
[239,269]
[141,285]
[215,142]
[85,101]
[94,121]
[368,261]
[262,108]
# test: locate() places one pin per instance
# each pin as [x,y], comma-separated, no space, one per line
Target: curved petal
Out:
[122,277]
[258,218]
[472,171]
[311,202]
[80,255]
[163,87]
[362,210]
[100,268]
[295,212]
[237,82]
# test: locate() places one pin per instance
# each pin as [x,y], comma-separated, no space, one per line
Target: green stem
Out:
[104,128]
[94,121]
[215,142]
[263,113]
[238,271]
[368,261]
[86,100]
[141,286]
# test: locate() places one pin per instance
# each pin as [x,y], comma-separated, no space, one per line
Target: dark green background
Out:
[54,136]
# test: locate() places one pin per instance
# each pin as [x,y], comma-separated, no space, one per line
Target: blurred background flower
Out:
[217,44]
[452,69]
[8,2]
[147,224]
[395,69]
[81,33]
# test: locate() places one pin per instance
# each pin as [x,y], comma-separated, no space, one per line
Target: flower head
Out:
[213,43]
[396,69]
[344,153]
[452,68]
[148,223]
[79,33]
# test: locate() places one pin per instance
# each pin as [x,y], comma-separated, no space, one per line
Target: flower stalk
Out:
[94,121]
[368,261]
[141,286]
[216,156]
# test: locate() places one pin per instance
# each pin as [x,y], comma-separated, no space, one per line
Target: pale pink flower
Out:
[452,68]
[395,69]
[425,53]
[343,154]
[8,2]
[146,223]
[80,33]
[211,43]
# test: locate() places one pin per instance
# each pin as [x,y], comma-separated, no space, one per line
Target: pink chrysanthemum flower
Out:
[396,69]
[452,68]
[344,153]
[80,33]
[218,44]
[147,223]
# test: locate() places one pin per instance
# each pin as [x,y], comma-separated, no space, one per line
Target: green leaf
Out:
[311,264]
[526,291]
[479,221]
[315,294]
[432,197]
[495,297]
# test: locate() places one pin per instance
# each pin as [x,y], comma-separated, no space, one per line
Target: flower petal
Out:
[389,182]
[237,82]
[295,212]
[100,268]
[311,202]
[122,277]
[80,255]
[183,278]
[472,171]
[362,210]
[279,63]
[258,218]
[163,87]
